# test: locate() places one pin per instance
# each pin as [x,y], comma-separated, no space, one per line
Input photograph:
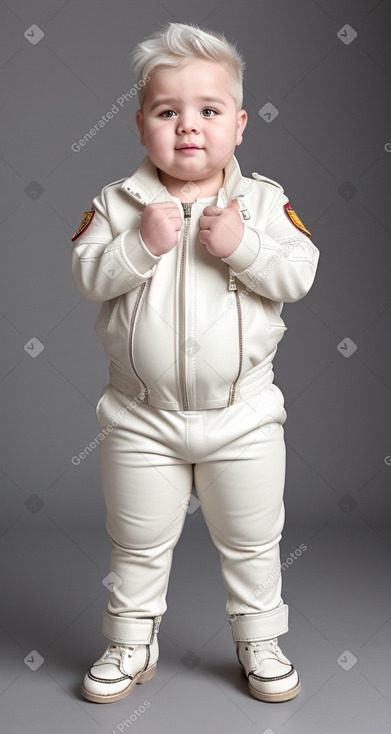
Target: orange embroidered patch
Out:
[85,222]
[295,219]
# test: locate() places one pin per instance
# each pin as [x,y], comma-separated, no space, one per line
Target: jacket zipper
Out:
[232,287]
[132,323]
[182,378]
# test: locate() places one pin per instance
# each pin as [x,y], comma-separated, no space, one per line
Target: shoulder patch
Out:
[85,222]
[295,219]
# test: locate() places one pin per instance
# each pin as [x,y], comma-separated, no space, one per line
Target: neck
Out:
[183,189]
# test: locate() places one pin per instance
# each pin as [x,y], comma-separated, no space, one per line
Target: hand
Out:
[159,226]
[221,229]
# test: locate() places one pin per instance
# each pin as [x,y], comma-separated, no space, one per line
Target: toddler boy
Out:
[193,263]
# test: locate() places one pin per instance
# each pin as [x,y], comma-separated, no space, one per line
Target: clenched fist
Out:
[159,226]
[221,229]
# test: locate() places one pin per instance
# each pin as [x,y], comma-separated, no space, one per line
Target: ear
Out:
[140,125]
[242,119]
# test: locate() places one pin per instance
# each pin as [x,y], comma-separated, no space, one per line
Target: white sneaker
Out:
[117,671]
[271,676]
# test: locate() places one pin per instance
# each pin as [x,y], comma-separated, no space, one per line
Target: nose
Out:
[187,123]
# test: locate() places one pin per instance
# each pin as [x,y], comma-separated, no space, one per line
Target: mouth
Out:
[188,146]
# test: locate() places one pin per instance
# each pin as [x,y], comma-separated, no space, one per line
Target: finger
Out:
[172,217]
[205,222]
[172,211]
[212,210]
[167,208]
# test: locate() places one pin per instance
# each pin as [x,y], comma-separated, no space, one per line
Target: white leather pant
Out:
[149,460]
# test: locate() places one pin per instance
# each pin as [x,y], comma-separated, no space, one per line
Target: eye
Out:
[210,109]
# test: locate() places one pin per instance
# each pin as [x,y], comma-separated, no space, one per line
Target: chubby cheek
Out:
[221,138]
[156,137]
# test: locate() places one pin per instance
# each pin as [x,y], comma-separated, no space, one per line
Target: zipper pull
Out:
[231,281]
[187,208]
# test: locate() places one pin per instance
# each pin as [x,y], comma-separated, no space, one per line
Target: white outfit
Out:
[191,338]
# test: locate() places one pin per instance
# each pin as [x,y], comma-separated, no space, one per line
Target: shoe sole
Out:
[272,697]
[142,677]
[275,697]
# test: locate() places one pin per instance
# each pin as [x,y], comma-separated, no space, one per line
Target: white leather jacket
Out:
[189,330]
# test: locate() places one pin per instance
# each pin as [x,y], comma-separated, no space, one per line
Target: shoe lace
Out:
[114,653]
[262,646]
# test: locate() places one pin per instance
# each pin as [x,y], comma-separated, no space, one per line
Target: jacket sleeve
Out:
[104,267]
[279,262]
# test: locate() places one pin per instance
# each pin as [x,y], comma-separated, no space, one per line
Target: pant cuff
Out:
[128,630]
[261,626]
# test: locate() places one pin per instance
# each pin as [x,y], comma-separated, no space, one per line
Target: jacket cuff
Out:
[246,252]
[136,252]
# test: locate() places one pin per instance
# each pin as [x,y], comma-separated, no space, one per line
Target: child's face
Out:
[214,125]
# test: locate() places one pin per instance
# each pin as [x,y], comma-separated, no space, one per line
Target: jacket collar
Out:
[145,186]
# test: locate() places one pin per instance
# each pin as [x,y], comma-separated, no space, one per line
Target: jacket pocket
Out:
[271,312]
[276,395]
[106,317]
[132,332]
[103,395]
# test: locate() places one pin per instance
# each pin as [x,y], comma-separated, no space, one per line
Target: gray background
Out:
[330,147]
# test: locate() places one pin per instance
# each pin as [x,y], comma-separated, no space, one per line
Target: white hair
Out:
[178,42]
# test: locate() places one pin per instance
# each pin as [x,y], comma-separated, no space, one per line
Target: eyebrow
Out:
[172,99]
